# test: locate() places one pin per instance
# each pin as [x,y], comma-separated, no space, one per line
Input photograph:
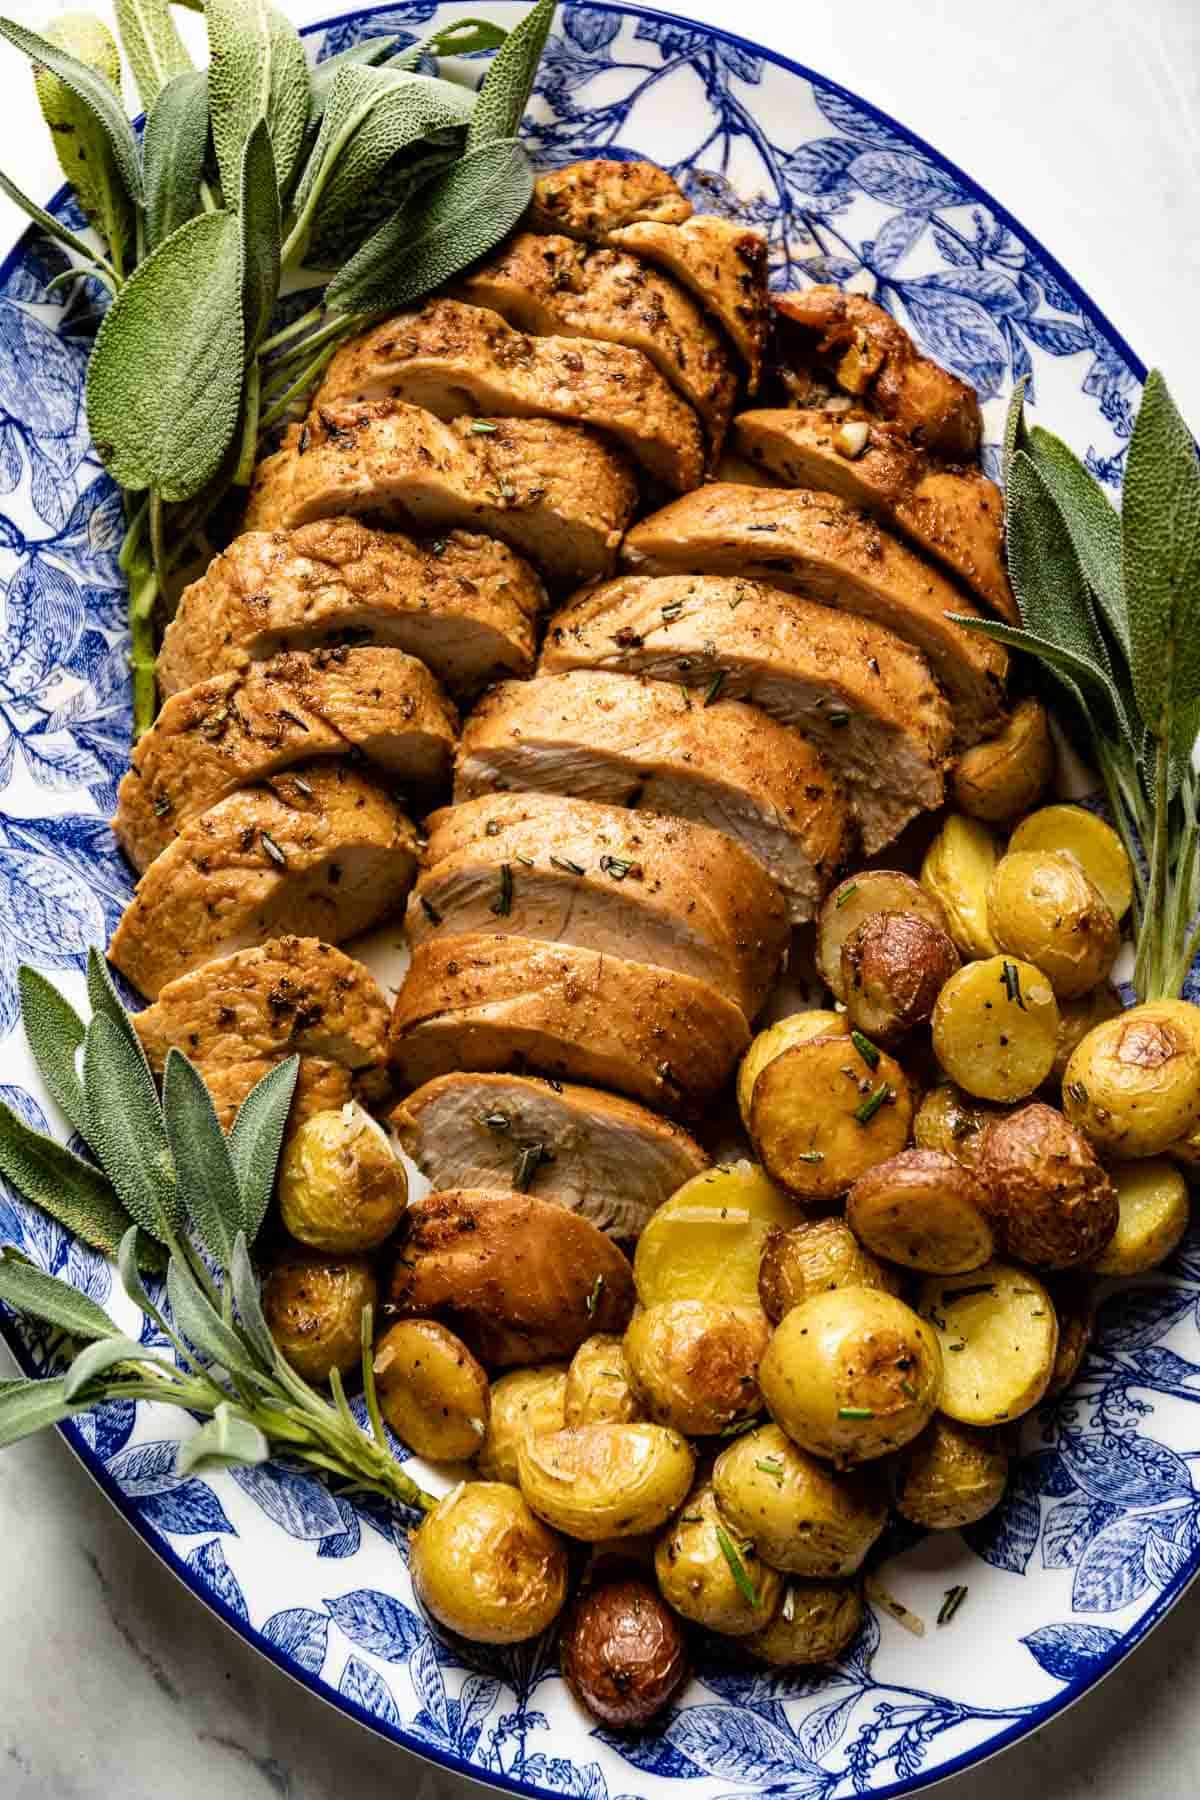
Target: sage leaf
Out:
[164,383]
[153,47]
[173,149]
[228,1440]
[463,37]
[104,998]
[262,233]
[136,1252]
[94,90]
[40,1296]
[1160,556]
[30,1406]
[202,1326]
[98,1358]
[1016,437]
[257,70]
[204,1173]
[61,1183]
[1086,679]
[125,1128]
[508,83]
[244,1284]
[1092,522]
[55,1032]
[255,1138]
[447,226]
[81,141]
[370,53]
[54,228]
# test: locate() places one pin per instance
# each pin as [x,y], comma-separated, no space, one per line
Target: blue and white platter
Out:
[1100,1531]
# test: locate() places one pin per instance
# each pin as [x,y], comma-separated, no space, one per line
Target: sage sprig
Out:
[168,1183]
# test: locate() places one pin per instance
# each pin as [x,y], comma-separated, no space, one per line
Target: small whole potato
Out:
[1152,1216]
[957,872]
[814,1624]
[598,1390]
[711,1574]
[800,1516]
[1077,1017]
[797,1028]
[852,1374]
[1133,1083]
[1003,777]
[1042,907]
[853,901]
[1074,1298]
[954,1122]
[893,969]
[605,1481]
[1093,843]
[995,1027]
[341,1187]
[825,1112]
[693,1363]
[950,1476]
[923,1210]
[485,1567]
[623,1652]
[524,1403]
[314,1306]
[432,1392]
[1050,1202]
[812,1258]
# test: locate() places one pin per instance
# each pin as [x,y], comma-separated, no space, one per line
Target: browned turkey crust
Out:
[323,853]
[724,264]
[591,198]
[452,358]
[555,493]
[660,891]
[464,604]
[497,1002]
[320,1086]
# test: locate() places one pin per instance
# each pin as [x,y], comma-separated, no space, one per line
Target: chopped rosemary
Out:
[593,1299]
[530,1157]
[908,1390]
[1077,1092]
[855,1412]
[525,861]
[712,691]
[871,1105]
[844,895]
[502,904]
[430,910]
[841,717]
[438,547]
[810,1156]
[162,806]
[738,1428]
[672,611]
[771,1465]
[1011,977]
[866,1049]
[691,1518]
[950,1605]
[896,1609]
[272,849]
[496,1121]
[492,828]
[737,1567]
[483,428]
[567,866]
[619,867]
[966,1293]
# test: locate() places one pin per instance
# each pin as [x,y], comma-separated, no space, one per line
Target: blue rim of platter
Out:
[1101,1664]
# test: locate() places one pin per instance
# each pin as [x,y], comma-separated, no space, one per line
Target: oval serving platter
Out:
[1100,1531]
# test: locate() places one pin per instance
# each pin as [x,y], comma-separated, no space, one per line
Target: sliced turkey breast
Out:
[497,1002]
[233,730]
[954,514]
[323,853]
[320,1086]
[870,355]
[724,264]
[452,359]
[597,1154]
[818,545]
[555,493]
[628,742]
[589,199]
[663,891]
[554,286]
[863,696]
[465,605]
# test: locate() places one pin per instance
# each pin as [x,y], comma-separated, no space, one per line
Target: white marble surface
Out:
[1083,116]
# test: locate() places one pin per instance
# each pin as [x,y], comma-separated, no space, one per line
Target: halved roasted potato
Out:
[995,1026]
[797,1028]
[825,1112]
[998,1335]
[1090,840]
[799,1515]
[1050,1202]
[706,1241]
[957,870]
[953,1121]
[1152,1216]
[951,1476]
[893,969]
[923,1210]
[853,902]
[432,1392]
[605,1481]
[812,1258]
[1003,777]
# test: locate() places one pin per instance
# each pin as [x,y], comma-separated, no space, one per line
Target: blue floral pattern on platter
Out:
[1101,1526]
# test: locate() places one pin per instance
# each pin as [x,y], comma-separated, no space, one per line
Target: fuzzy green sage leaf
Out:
[30,1406]
[257,70]
[102,1356]
[463,37]
[1091,521]
[55,1032]
[262,235]
[152,45]
[199,1322]
[173,148]
[508,83]
[255,1138]
[81,141]
[370,53]
[228,1440]
[204,1172]
[71,1190]
[94,90]
[125,1129]
[55,1302]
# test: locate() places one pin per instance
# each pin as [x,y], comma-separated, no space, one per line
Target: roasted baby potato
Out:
[999,1336]
[622,1652]
[1003,777]
[341,1187]
[314,1306]
[485,1567]
[1074,1297]
[893,968]
[825,1112]
[711,1574]
[693,1363]
[706,1241]
[957,871]
[950,1476]
[598,1390]
[812,1258]
[432,1392]
[797,1028]
[1133,1083]
[1077,1017]
[994,1028]
[923,1210]
[954,1122]
[853,902]
[1090,840]
[798,1514]
[1050,1202]
[1042,907]
[814,1624]
[1152,1216]
[605,1481]
[524,1403]
[851,1374]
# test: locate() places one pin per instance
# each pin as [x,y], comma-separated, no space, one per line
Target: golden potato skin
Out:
[1093,843]
[923,1210]
[815,1623]
[857,899]
[797,1028]
[598,1390]
[313,1306]
[432,1392]
[524,1403]
[706,1241]
[893,969]
[605,1481]
[1050,1202]
[1042,907]
[693,1364]
[1074,1297]
[1133,1083]
[695,1576]
[813,1257]
[1152,1216]
[1004,776]
[805,1118]
[957,871]
[623,1652]
[340,1187]
[485,1567]
[1000,1334]
[1077,1017]
[852,1374]
[954,1122]
[799,1514]
[950,1476]
[995,1027]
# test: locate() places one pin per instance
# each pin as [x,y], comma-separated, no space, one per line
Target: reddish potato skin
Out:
[1050,1202]
[623,1652]
[893,969]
